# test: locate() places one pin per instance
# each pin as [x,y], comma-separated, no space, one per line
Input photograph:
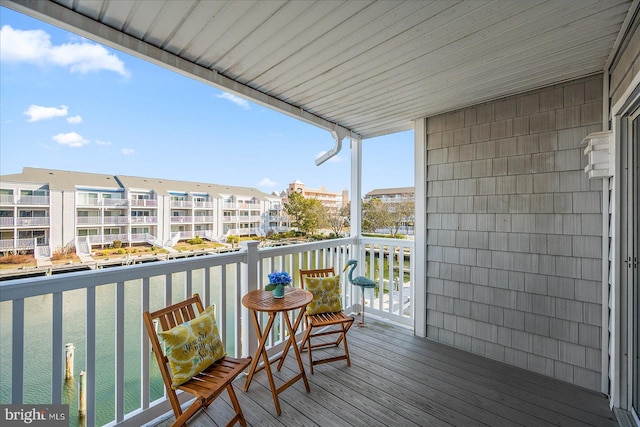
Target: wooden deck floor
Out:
[397,379]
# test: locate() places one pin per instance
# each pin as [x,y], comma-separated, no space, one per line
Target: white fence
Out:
[219,279]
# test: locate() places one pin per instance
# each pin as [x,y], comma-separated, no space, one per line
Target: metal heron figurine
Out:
[361,281]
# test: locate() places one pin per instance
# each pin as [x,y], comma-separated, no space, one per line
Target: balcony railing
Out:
[115,202]
[6,199]
[99,311]
[202,205]
[181,203]
[144,219]
[7,221]
[88,201]
[102,239]
[32,221]
[23,244]
[33,200]
[152,203]
[180,219]
[201,219]
[116,220]
[89,220]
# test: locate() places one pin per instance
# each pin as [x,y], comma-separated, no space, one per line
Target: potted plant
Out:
[277,281]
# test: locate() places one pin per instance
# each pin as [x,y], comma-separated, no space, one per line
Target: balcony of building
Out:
[181,203]
[395,378]
[181,219]
[198,219]
[83,200]
[398,379]
[25,244]
[7,222]
[202,204]
[32,200]
[32,221]
[106,239]
[509,232]
[150,203]
[152,219]
[120,219]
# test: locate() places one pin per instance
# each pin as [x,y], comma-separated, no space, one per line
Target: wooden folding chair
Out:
[324,324]
[208,384]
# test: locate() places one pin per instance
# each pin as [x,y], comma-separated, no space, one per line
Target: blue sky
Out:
[68,103]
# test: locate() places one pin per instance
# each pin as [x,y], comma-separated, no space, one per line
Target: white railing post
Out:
[249,282]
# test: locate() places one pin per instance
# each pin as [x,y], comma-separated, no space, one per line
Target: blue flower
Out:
[278,278]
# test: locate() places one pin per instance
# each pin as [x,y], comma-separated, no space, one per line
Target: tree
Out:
[307,215]
[294,207]
[338,220]
[314,216]
[378,215]
[400,214]
[375,215]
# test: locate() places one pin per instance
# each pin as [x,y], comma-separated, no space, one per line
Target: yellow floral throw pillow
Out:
[326,294]
[193,346]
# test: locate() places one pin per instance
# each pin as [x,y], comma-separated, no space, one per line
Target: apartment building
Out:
[331,199]
[392,195]
[43,210]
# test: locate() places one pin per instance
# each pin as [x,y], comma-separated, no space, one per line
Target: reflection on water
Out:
[38,346]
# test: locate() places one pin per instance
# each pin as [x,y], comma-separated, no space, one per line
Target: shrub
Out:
[121,251]
[16,259]
[63,253]
[116,244]
[195,241]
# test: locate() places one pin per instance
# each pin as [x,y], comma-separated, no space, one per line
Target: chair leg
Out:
[195,407]
[306,341]
[236,406]
[346,348]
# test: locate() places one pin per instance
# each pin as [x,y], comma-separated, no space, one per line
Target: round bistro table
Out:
[260,301]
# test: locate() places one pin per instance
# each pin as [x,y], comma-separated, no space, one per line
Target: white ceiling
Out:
[371,67]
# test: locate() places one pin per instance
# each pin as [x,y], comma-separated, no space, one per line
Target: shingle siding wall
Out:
[627,65]
[514,231]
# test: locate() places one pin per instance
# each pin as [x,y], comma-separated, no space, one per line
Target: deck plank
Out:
[396,378]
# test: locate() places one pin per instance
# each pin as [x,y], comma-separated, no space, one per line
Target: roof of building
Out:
[63,180]
[390,191]
[69,180]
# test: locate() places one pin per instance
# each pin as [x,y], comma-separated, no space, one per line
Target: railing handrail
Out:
[43,285]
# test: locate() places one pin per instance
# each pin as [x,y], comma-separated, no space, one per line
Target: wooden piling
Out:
[69,350]
[82,398]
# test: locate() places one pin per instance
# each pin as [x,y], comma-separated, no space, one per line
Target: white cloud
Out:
[103,143]
[74,119]
[235,99]
[128,151]
[72,139]
[335,159]
[35,47]
[266,183]
[38,112]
